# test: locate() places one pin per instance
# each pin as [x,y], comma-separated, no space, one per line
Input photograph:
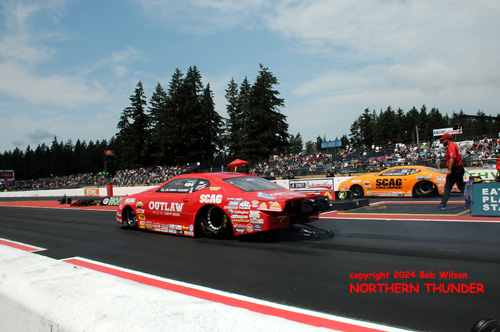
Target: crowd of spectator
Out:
[374,158]
[348,160]
[128,177]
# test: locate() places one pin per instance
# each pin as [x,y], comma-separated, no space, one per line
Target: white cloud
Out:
[424,45]
[375,54]
[24,54]
[18,48]
[116,61]
[205,16]
[380,30]
[54,89]
[23,40]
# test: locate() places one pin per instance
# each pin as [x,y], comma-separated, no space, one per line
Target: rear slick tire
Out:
[215,223]
[424,189]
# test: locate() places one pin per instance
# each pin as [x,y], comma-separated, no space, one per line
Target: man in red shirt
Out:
[455,174]
[497,177]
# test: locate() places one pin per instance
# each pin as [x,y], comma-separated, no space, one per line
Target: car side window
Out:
[184,185]
[392,172]
[400,172]
[202,183]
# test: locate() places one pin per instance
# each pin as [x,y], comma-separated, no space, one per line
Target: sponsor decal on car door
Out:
[167,212]
[395,185]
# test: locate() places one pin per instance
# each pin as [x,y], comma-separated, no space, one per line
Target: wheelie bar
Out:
[311,230]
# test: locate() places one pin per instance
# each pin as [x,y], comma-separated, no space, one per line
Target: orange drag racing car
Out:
[398,181]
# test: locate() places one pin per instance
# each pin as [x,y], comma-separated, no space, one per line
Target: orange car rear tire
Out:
[424,188]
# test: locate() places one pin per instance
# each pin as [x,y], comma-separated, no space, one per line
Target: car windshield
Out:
[251,183]
[400,172]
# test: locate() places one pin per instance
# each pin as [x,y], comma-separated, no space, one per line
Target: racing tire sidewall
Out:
[215,223]
[424,189]
[357,191]
[131,219]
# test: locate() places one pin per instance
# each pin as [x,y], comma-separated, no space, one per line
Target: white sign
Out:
[311,184]
[442,131]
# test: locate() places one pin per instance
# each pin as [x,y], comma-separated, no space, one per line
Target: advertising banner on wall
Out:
[311,184]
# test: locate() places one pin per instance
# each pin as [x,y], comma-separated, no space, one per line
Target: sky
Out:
[68,68]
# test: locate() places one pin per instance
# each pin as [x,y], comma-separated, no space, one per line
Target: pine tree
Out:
[367,126]
[424,126]
[400,125]
[265,130]
[191,117]
[233,125]
[141,127]
[174,121]
[295,143]
[56,158]
[210,136]
[134,132]
[385,128]
[355,137]
[160,148]
[124,138]
[309,148]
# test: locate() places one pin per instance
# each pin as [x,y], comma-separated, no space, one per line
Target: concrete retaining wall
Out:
[117,191]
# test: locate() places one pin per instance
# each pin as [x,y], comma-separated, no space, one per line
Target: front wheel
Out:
[357,191]
[130,218]
[215,223]
[424,188]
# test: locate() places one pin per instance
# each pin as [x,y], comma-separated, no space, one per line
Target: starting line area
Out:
[415,211]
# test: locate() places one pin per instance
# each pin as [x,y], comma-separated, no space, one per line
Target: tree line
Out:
[57,160]
[179,125]
[417,126]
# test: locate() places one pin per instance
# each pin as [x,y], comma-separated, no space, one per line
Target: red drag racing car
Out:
[218,205]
